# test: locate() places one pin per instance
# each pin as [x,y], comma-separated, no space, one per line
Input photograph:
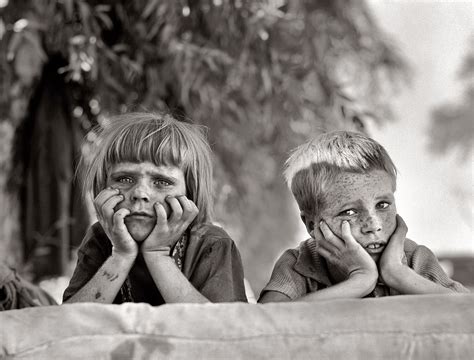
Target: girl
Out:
[151,179]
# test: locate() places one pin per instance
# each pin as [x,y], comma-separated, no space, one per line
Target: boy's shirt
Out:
[211,263]
[302,271]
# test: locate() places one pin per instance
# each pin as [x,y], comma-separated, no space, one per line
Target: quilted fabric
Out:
[398,327]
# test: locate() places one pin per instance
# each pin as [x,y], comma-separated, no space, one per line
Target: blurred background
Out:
[263,76]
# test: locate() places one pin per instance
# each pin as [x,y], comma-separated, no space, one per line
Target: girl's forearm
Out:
[104,286]
[173,285]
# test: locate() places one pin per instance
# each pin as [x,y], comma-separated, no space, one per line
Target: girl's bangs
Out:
[160,146]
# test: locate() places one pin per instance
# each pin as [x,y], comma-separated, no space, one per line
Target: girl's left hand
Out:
[168,231]
[392,257]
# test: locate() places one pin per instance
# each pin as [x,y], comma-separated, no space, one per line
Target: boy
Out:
[344,184]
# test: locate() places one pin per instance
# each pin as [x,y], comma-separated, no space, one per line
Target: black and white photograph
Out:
[236,179]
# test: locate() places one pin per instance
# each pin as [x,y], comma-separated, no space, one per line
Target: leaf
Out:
[151,6]
[69,8]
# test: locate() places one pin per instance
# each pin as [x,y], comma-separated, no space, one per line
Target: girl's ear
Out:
[309,223]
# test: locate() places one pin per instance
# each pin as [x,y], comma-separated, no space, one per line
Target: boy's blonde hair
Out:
[157,138]
[313,166]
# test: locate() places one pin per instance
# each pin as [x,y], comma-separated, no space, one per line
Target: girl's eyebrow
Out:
[154,174]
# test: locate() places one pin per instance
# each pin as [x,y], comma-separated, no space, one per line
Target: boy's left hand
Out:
[391,260]
[168,231]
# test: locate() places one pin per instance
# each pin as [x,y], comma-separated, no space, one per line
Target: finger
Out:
[176,209]
[107,209]
[161,217]
[119,219]
[326,245]
[325,253]
[190,209]
[330,236]
[103,196]
[347,233]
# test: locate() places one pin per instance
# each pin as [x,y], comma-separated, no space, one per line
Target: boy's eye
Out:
[348,212]
[383,205]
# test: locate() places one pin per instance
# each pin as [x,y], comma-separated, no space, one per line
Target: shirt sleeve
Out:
[90,257]
[285,279]
[425,263]
[219,274]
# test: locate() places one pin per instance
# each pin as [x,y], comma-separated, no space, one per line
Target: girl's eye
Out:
[125,180]
[162,183]
[383,205]
[348,212]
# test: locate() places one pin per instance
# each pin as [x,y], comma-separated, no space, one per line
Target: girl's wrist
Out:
[124,255]
[159,251]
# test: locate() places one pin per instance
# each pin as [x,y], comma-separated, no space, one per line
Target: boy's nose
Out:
[371,224]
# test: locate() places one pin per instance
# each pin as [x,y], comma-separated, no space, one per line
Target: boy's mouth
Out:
[374,248]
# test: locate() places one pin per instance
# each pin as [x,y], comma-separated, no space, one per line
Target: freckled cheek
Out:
[389,222]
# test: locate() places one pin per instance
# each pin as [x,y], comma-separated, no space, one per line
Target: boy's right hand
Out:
[113,222]
[346,254]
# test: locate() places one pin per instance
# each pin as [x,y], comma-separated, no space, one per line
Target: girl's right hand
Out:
[113,222]
[346,254]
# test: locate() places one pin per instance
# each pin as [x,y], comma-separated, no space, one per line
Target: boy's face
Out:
[143,185]
[367,202]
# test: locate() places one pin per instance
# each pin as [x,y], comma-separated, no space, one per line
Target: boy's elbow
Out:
[273,296]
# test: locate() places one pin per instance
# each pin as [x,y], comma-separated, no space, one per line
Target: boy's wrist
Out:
[364,282]
[395,276]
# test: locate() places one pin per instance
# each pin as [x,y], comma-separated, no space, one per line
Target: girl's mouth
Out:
[139,215]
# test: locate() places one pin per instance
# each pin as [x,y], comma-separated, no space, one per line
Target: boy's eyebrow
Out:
[347,203]
[387,195]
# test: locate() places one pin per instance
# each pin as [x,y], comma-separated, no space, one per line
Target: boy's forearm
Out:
[406,281]
[356,286]
[173,285]
[104,286]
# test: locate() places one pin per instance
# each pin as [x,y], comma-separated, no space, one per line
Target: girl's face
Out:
[143,185]
[367,202]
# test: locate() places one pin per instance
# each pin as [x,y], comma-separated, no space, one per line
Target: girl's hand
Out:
[113,222]
[168,231]
[391,260]
[346,254]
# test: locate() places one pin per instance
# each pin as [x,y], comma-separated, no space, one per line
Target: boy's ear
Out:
[308,221]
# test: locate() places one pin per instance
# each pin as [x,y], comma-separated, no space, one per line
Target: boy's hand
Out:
[168,231]
[113,222]
[391,260]
[346,253]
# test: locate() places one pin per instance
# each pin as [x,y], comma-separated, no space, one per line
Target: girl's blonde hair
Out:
[312,167]
[157,138]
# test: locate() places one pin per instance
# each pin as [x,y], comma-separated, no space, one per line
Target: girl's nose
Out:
[140,193]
